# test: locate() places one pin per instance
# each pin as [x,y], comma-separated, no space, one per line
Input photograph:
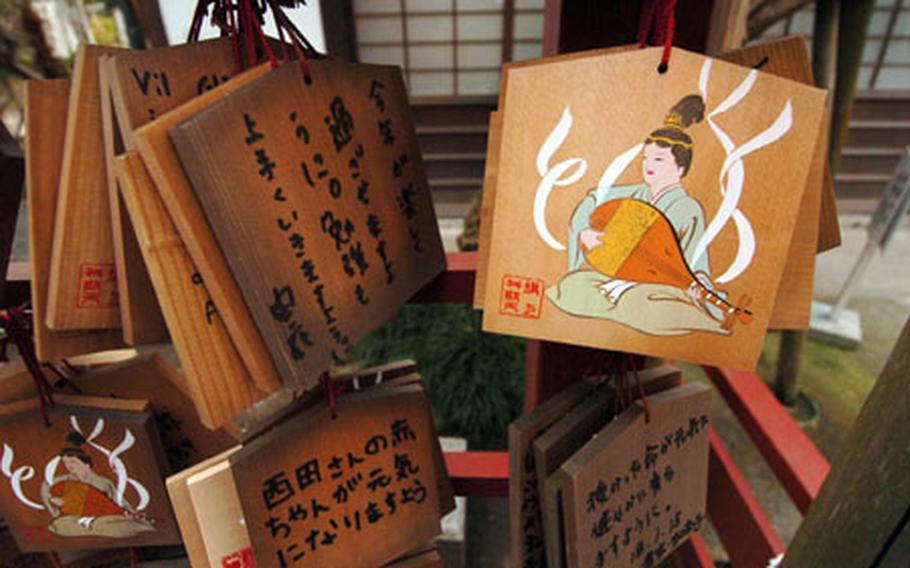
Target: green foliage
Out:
[474,379]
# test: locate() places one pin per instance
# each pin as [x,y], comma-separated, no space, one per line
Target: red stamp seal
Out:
[97,286]
[240,559]
[521,296]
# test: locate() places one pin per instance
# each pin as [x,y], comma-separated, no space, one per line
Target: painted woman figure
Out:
[651,308]
[84,503]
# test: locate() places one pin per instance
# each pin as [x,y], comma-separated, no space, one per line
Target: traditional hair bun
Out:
[75,439]
[689,110]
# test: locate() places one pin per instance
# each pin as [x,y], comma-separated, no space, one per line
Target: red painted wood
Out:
[742,525]
[798,464]
[692,554]
[455,285]
[551,367]
[479,474]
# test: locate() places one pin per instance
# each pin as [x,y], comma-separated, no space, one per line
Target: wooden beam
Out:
[340,32]
[861,510]
[766,14]
[149,15]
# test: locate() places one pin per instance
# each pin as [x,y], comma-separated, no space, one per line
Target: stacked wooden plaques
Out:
[357,484]
[599,477]
[264,247]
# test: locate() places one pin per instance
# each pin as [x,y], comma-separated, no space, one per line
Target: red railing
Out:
[738,519]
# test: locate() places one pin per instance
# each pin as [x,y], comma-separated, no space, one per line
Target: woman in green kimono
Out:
[650,308]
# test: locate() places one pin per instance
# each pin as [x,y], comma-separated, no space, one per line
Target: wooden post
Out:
[340,33]
[824,43]
[824,67]
[788,365]
[860,517]
[851,39]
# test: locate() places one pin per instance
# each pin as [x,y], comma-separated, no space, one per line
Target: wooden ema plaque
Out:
[89,480]
[139,86]
[557,444]
[185,212]
[320,203]
[82,287]
[354,491]
[671,254]
[788,58]
[140,316]
[185,511]
[525,530]
[638,489]
[220,384]
[185,439]
[46,119]
[792,304]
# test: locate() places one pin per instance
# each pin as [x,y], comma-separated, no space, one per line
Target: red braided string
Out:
[329,386]
[16,324]
[656,26]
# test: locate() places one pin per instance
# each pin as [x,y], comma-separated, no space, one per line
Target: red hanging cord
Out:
[16,324]
[657,25]
[642,396]
[297,39]
[246,19]
[257,24]
[329,386]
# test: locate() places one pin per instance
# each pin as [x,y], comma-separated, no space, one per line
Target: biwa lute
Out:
[638,244]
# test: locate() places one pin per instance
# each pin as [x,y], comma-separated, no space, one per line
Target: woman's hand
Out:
[590,238]
[57,501]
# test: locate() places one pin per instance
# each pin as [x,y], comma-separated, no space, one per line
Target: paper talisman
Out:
[656,274]
[560,441]
[90,479]
[46,119]
[220,383]
[82,286]
[356,490]
[185,212]
[638,489]
[319,199]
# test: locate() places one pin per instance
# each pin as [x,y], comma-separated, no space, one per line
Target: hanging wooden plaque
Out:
[91,479]
[82,286]
[788,58]
[185,438]
[216,502]
[525,531]
[638,489]
[142,85]
[557,444]
[793,300]
[189,523]
[669,259]
[186,214]
[140,316]
[340,231]
[46,119]
[220,384]
[487,199]
[357,490]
